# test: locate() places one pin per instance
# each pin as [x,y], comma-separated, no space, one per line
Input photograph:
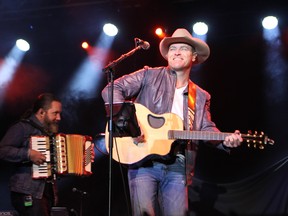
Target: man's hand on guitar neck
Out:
[233,140]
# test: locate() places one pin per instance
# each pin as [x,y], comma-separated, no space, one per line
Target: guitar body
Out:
[155,130]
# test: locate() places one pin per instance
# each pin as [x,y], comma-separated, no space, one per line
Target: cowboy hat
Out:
[181,35]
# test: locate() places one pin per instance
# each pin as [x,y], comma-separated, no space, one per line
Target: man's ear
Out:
[41,111]
[194,56]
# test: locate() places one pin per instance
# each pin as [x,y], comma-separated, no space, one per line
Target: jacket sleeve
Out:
[125,87]
[209,125]
[15,144]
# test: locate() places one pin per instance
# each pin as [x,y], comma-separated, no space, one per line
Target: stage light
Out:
[275,67]
[160,33]
[110,29]
[85,45]
[10,64]
[22,45]
[271,31]
[84,83]
[270,22]
[200,28]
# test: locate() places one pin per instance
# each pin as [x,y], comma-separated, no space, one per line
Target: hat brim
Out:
[200,46]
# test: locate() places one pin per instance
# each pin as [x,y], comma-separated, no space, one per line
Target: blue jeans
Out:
[159,189]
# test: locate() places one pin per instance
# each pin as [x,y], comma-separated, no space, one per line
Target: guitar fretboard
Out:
[196,135]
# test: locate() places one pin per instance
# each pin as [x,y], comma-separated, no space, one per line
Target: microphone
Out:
[79,191]
[143,44]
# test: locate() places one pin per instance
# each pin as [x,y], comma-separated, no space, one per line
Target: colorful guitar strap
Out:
[190,152]
[191,103]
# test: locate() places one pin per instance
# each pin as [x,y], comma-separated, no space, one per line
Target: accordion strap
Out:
[33,124]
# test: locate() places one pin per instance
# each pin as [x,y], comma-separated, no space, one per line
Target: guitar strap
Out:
[190,151]
[191,103]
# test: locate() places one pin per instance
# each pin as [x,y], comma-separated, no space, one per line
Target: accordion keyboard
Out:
[41,144]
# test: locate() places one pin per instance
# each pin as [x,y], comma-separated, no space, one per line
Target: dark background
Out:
[244,96]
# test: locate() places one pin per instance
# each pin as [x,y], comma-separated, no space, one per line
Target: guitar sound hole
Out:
[155,121]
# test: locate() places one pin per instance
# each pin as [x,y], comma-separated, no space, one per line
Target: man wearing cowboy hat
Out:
[158,185]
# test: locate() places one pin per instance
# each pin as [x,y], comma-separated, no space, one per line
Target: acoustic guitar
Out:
[160,131]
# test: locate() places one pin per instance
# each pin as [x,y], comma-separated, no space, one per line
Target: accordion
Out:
[65,154]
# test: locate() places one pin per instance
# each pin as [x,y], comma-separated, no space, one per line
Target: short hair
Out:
[44,101]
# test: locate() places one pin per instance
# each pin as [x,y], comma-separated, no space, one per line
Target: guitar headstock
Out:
[257,140]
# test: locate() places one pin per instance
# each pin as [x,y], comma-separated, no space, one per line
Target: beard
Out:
[54,127]
[51,126]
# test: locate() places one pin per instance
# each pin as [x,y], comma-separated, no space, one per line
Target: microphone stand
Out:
[82,193]
[81,203]
[110,73]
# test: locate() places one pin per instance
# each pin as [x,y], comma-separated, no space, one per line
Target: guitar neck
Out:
[196,135]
